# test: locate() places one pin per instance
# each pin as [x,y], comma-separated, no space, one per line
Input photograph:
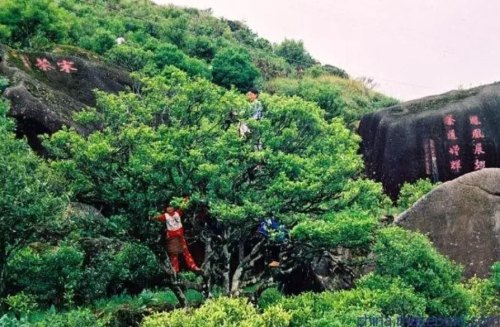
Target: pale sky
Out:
[410,48]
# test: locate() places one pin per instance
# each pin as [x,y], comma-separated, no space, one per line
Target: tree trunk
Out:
[207,268]
[235,282]
[227,268]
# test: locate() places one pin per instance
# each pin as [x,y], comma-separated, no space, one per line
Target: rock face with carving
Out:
[438,137]
[462,218]
[47,88]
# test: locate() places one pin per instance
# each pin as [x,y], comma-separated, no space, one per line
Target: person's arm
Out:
[160,217]
[180,211]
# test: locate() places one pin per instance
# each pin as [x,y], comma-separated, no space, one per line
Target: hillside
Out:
[138,117]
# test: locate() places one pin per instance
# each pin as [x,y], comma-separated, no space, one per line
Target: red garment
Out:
[174,258]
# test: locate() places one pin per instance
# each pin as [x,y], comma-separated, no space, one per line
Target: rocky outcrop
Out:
[46,89]
[438,137]
[462,219]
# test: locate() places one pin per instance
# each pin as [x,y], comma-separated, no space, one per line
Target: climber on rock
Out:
[176,243]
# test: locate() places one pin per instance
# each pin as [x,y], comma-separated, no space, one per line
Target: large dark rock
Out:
[46,89]
[462,219]
[438,137]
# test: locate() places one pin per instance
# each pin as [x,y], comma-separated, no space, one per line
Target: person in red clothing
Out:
[176,243]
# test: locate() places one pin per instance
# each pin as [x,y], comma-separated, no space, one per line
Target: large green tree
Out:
[180,136]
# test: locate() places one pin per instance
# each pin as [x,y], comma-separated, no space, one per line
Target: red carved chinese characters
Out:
[453,147]
[479,164]
[43,64]
[451,135]
[478,149]
[454,150]
[477,137]
[477,134]
[455,165]
[66,66]
[448,120]
[474,120]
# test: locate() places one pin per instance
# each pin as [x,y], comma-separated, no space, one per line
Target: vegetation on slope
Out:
[62,262]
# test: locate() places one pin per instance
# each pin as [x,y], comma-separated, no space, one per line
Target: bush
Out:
[217,312]
[4,83]
[21,303]
[25,23]
[77,317]
[330,308]
[202,47]
[126,310]
[484,295]
[51,274]
[393,296]
[117,267]
[347,229]
[411,257]
[130,57]
[100,42]
[233,66]
[269,297]
[339,97]
[295,53]
[412,192]
[136,265]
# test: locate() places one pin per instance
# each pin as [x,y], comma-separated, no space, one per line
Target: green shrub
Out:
[346,228]
[27,23]
[51,274]
[126,310]
[117,268]
[130,57]
[8,320]
[330,308]
[339,97]
[269,297]
[274,316]
[21,303]
[411,257]
[217,312]
[202,47]
[233,66]
[77,317]
[412,192]
[194,298]
[484,294]
[136,265]
[393,296]
[495,275]
[295,53]
[101,41]
[4,83]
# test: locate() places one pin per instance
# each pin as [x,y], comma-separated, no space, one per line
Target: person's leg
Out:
[174,260]
[187,255]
